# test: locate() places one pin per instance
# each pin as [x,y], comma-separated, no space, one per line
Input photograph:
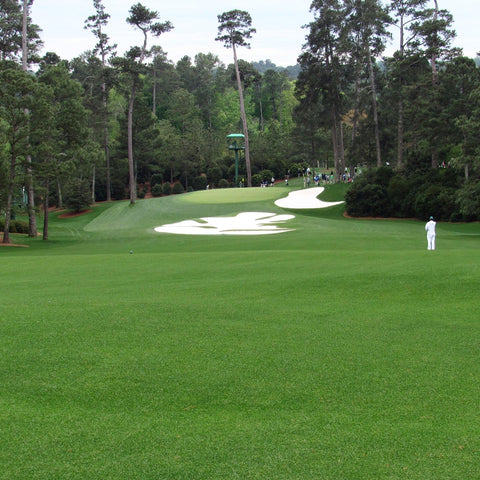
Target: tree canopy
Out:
[123,124]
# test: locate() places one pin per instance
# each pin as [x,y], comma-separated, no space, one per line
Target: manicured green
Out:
[342,350]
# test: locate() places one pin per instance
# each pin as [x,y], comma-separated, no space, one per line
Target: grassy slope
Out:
[342,350]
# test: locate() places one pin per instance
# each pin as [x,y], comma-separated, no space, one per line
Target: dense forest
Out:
[109,125]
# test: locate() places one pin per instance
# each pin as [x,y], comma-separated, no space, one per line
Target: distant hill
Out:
[263,65]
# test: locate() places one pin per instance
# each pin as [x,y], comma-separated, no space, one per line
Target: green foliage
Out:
[368,200]
[435,200]
[235,28]
[200,182]
[157,190]
[267,175]
[468,200]
[398,196]
[77,194]
[182,112]
[214,174]
[155,179]
[383,192]
[178,188]
[257,179]
[16,226]
[223,183]
[166,188]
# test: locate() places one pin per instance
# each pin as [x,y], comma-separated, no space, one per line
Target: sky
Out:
[279,35]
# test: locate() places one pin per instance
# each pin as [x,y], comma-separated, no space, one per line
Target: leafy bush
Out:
[468,201]
[257,180]
[178,188]
[367,200]
[267,175]
[156,178]
[223,183]
[166,189]
[16,226]
[296,169]
[398,194]
[19,226]
[200,183]
[437,201]
[157,190]
[214,174]
[418,193]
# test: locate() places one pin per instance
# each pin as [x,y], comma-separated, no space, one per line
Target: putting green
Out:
[232,195]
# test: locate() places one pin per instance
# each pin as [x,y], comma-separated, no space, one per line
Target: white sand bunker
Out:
[246,223]
[305,199]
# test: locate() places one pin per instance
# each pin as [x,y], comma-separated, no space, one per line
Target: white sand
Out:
[304,199]
[250,223]
[246,223]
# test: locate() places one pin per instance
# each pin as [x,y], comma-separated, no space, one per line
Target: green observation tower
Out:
[236,143]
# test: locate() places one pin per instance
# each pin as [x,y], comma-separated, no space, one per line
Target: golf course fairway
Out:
[338,349]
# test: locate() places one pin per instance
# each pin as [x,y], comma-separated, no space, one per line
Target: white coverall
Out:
[430,228]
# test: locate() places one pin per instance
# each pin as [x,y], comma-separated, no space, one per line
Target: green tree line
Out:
[127,125]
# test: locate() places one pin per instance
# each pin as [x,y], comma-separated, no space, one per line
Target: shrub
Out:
[398,195]
[296,169]
[178,188]
[16,226]
[199,183]
[156,179]
[20,226]
[368,200]
[437,201]
[157,190]
[383,175]
[214,174]
[166,189]
[267,175]
[468,200]
[223,183]
[256,180]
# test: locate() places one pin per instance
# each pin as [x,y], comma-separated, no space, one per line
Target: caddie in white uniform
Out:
[430,228]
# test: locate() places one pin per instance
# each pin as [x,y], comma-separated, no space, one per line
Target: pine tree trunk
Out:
[400,134]
[400,129]
[433,62]
[45,211]
[106,141]
[93,185]
[32,220]
[60,195]
[335,143]
[8,208]
[374,106]
[131,171]
[244,118]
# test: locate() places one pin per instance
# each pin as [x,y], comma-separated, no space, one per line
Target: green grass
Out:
[341,350]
